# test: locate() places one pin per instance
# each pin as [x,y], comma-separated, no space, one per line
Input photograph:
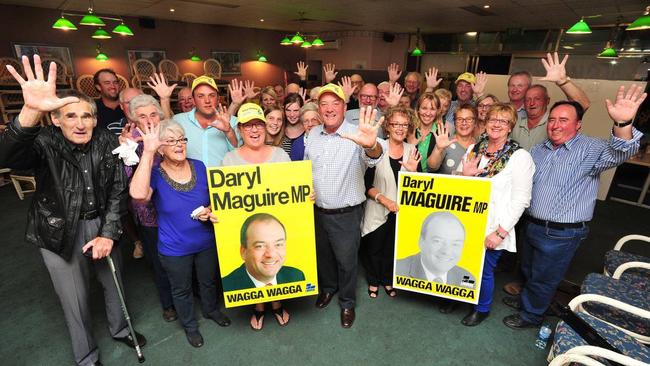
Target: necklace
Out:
[181,187]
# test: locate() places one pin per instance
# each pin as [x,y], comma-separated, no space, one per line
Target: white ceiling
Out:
[432,16]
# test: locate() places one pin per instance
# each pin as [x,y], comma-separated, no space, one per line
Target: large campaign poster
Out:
[439,240]
[265,234]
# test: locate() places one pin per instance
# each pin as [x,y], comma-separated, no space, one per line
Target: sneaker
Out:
[138,252]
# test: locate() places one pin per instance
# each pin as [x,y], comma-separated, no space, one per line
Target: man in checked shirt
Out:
[565,185]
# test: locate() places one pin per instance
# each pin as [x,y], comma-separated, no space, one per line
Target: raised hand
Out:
[158,83]
[625,106]
[394,73]
[249,89]
[395,92]
[412,161]
[555,70]
[432,78]
[470,167]
[479,86]
[346,85]
[236,89]
[150,137]
[222,119]
[39,95]
[441,134]
[366,135]
[127,134]
[302,70]
[330,74]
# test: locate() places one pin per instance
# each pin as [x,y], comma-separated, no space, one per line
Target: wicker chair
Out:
[63,76]
[188,78]
[86,85]
[142,70]
[124,83]
[169,69]
[5,76]
[212,68]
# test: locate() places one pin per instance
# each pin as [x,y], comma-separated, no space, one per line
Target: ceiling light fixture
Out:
[123,30]
[64,24]
[643,22]
[193,55]
[609,52]
[171,10]
[91,19]
[417,52]
[486,6]
[101,34]
[581,27]
[471,34]
[101,56]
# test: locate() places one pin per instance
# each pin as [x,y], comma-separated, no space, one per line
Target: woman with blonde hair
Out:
[274,126]
[268,98]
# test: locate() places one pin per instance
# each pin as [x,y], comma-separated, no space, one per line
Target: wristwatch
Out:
[622,124]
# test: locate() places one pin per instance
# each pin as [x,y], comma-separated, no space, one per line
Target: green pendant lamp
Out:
[101,34]
[262,58]
[63,23]
[297,39]
[194,56]
[122,29]
[318,42]
[101,56]
[643,22]
[416,52]
[609,52]
[285,41]
[580,27]
[305,44]
[92,19]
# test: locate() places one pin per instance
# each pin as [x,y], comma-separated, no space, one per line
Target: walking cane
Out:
[126,313]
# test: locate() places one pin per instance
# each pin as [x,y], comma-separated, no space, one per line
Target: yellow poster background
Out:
[245,183]
[411,216]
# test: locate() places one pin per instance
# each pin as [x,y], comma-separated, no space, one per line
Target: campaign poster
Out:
[439,240]
[265,234]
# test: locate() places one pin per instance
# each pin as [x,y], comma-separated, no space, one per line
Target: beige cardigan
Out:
[375,213]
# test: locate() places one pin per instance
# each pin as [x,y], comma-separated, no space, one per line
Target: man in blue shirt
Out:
[565,186]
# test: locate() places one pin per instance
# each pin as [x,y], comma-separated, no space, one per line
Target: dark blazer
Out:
[412,267]
[239,280]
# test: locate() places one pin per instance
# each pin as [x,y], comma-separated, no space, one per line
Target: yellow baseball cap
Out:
[332,88]
[466,76]
[204,79]
[249,112]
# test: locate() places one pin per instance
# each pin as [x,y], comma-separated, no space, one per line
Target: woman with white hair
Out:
[309,117]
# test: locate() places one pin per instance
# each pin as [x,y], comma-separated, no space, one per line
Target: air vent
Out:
[478,11]
[211,3]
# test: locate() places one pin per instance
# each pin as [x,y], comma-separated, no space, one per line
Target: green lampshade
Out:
[262,58]
[579,28]
[416,52]
[195,58]
[123,30]
[101,34]
[101,56]
[285,41]
[608,53]
[318,42]
[297,39]
[306,44]
[65,24]
[92,19]
[643,22]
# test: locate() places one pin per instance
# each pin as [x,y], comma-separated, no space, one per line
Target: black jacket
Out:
[53,216]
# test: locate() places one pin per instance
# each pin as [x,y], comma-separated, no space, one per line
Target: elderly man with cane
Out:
[80,196]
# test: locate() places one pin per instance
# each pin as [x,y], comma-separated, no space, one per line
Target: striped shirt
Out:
[566,179]
[338,166]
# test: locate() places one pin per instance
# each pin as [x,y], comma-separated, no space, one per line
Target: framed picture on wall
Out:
[59,53]
[155,56]
[230,62]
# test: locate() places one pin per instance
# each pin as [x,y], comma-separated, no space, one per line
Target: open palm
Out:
[366,135]
[625,106]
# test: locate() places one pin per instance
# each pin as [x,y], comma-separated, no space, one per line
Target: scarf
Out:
[498,159]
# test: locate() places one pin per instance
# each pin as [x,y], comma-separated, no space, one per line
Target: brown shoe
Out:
[324,299]
[513,288]
[347,317]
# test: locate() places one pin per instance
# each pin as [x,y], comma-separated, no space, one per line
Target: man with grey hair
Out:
[368,97]
[518,84]
[125,98]
[74,157]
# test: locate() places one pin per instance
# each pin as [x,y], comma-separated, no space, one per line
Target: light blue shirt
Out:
[565,183]
[208,145]
[338,166]
[352,116]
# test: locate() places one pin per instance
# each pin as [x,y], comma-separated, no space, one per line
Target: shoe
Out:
[448,306]
[513,302]
[259,318]
[513,288]
[373,294]
[279,316]
[138,252]
[391,293]
[195,338]
[169,314]
[324,299]
[347,317]
[474,318]
[96,363]
[515,321]
[220,318]
[128,340]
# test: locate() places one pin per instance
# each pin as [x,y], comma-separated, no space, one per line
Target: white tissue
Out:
[127,153]
[196,212]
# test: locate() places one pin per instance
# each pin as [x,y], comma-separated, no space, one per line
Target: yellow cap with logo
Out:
[249,112]
[204,79]
[466,76]
[332,88]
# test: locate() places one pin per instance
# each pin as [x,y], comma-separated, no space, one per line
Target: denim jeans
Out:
[179,270]
[487,280]
[546,258]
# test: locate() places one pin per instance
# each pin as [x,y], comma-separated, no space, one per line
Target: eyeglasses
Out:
[399,125]
[468,120]
[498,121]
[174,142]
[248,127]
[371,97]
[484,106]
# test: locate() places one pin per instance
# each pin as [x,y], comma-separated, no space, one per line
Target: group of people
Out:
[358,136]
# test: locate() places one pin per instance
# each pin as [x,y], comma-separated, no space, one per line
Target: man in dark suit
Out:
[263,249]
[441,245]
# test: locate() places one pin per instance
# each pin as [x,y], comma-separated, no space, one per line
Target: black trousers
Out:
[378,247]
